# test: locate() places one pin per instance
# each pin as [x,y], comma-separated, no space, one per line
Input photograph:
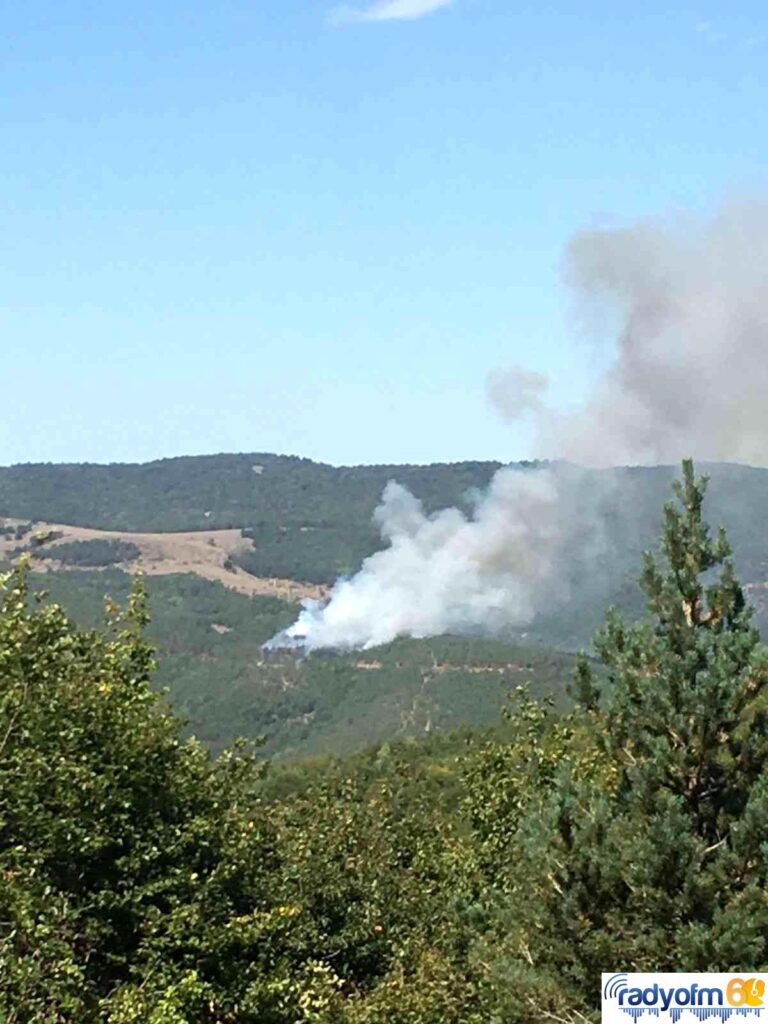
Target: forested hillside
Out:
[464,879]
[310,522]
[209,652]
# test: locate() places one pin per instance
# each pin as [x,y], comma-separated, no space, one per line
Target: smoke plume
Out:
[682,309]
[446,572]
[679,310]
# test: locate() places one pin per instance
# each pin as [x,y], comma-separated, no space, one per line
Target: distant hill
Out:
[219,491]
[210,554]
[310,522]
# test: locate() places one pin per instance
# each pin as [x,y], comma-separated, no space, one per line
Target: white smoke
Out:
[686,307]
[446,572]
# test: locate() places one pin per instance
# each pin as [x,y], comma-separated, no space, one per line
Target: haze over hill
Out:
[679,309]
[309,522]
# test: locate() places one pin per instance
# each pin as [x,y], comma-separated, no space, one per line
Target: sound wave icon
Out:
[702,1013]
[615,984]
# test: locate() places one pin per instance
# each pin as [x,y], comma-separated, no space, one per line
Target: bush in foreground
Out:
[143,882]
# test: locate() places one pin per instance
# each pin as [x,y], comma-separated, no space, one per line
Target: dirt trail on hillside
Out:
[204,553]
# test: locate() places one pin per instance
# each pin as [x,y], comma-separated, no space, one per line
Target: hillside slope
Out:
[310,521]
[209,554]
[209,641]
[319,515]
[217,594]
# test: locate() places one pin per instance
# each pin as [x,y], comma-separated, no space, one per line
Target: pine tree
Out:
[685,729]
[656,856]
[686,713]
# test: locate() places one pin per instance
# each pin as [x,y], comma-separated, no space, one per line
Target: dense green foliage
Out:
[208,642]
[462,879]
[313,552]
[221,491]
[634,832]
[92,553]
[142,882]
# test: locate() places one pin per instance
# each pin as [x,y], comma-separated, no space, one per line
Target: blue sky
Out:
[295,227]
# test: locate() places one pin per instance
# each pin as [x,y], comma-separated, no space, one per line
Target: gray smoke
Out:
[680,312]
[682,309]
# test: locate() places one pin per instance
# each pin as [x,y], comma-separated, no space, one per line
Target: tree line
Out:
[468,880]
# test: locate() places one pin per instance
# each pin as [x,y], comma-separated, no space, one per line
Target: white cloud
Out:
[389,10]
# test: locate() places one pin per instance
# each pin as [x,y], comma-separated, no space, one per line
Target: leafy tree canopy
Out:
[465,880]
[632,833]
